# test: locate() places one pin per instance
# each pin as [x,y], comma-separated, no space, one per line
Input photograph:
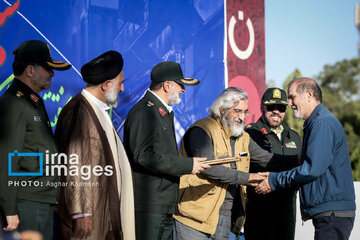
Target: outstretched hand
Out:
[264,186]
[255,179]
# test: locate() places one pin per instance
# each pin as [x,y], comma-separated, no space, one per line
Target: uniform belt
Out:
[336,214]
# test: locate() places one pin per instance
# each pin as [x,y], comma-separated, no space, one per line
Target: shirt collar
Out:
[168,107]
[101,104]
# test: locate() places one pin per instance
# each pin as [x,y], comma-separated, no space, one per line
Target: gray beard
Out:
[235,131]
[112,97]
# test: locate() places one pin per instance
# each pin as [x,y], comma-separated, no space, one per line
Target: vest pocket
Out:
[195,198]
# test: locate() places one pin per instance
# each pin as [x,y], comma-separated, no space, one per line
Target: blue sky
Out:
[307,34]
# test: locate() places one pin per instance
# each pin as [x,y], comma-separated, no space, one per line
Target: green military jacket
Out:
[25,128]
[149,140]
[274,212]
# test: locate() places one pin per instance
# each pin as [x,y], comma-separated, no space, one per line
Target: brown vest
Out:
[200,198]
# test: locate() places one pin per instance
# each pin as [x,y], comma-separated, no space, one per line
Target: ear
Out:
[29,70]
[167,86]
[309,94]
[105,86]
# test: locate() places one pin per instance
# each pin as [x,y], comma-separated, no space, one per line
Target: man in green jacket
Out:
[26,194]
[149,140]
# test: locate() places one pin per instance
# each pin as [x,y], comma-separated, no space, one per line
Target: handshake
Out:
[261,182]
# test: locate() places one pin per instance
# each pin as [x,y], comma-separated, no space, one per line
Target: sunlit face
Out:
[41,79]
[234,117]
[273,114]
[174,94]
[112,95]
[297,102]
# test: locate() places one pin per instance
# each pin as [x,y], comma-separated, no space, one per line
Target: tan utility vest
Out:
[200,198]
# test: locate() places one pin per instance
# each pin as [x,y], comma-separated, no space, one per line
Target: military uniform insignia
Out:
[150,104]
[37,118]
[19,94]
[162,111]
[249,126]
[290,145]
[264,131]
[276,93]
[34,98]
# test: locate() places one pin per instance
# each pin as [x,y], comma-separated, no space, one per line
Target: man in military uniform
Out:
[274,213]
[25,192]
[149,140]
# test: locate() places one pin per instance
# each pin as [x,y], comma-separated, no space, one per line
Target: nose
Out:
[290,103]
[122,87]
[51,72]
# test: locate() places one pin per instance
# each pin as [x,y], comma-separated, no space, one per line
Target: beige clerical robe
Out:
[84,130]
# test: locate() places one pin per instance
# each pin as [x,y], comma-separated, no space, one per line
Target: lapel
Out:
[160,108]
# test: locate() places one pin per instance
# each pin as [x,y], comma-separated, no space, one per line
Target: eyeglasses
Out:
[280,108]
[240,112]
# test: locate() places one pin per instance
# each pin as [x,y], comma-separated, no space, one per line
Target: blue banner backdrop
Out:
[145,32]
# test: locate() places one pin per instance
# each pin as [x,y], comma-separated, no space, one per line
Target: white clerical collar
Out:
[103,106]
[168,107]
[100,103]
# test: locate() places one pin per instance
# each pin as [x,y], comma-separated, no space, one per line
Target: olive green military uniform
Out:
[149,140]
[273,213]
[25,128]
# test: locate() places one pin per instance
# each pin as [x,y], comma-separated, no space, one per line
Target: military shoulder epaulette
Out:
[19,94]
[150,104]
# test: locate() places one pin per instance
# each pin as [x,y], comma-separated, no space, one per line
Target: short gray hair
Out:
[304,84]
[227,99]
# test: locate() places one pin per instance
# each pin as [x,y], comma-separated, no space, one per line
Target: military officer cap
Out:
[36,51]
[171,71]
[104,67]
[274,96]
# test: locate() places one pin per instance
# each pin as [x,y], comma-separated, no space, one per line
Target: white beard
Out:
[112,97]
[236,131]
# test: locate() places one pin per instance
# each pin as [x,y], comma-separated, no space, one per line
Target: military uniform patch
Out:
[34,98]
[150,104]
[290,145]
[162,111]
[37,118]
[264,131]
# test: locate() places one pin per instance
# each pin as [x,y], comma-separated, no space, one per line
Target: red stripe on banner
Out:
[245,59]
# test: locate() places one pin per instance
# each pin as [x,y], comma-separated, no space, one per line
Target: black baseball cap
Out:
[171,71]
[36,51]
[274,96]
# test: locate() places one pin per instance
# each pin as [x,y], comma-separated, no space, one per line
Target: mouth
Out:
[275,117]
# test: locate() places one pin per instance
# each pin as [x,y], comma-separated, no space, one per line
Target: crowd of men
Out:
[147,188]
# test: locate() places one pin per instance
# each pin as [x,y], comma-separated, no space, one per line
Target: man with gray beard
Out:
[101,206]
[213,202]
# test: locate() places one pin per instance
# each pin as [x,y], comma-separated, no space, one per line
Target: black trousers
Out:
[332,227]
[152,226]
